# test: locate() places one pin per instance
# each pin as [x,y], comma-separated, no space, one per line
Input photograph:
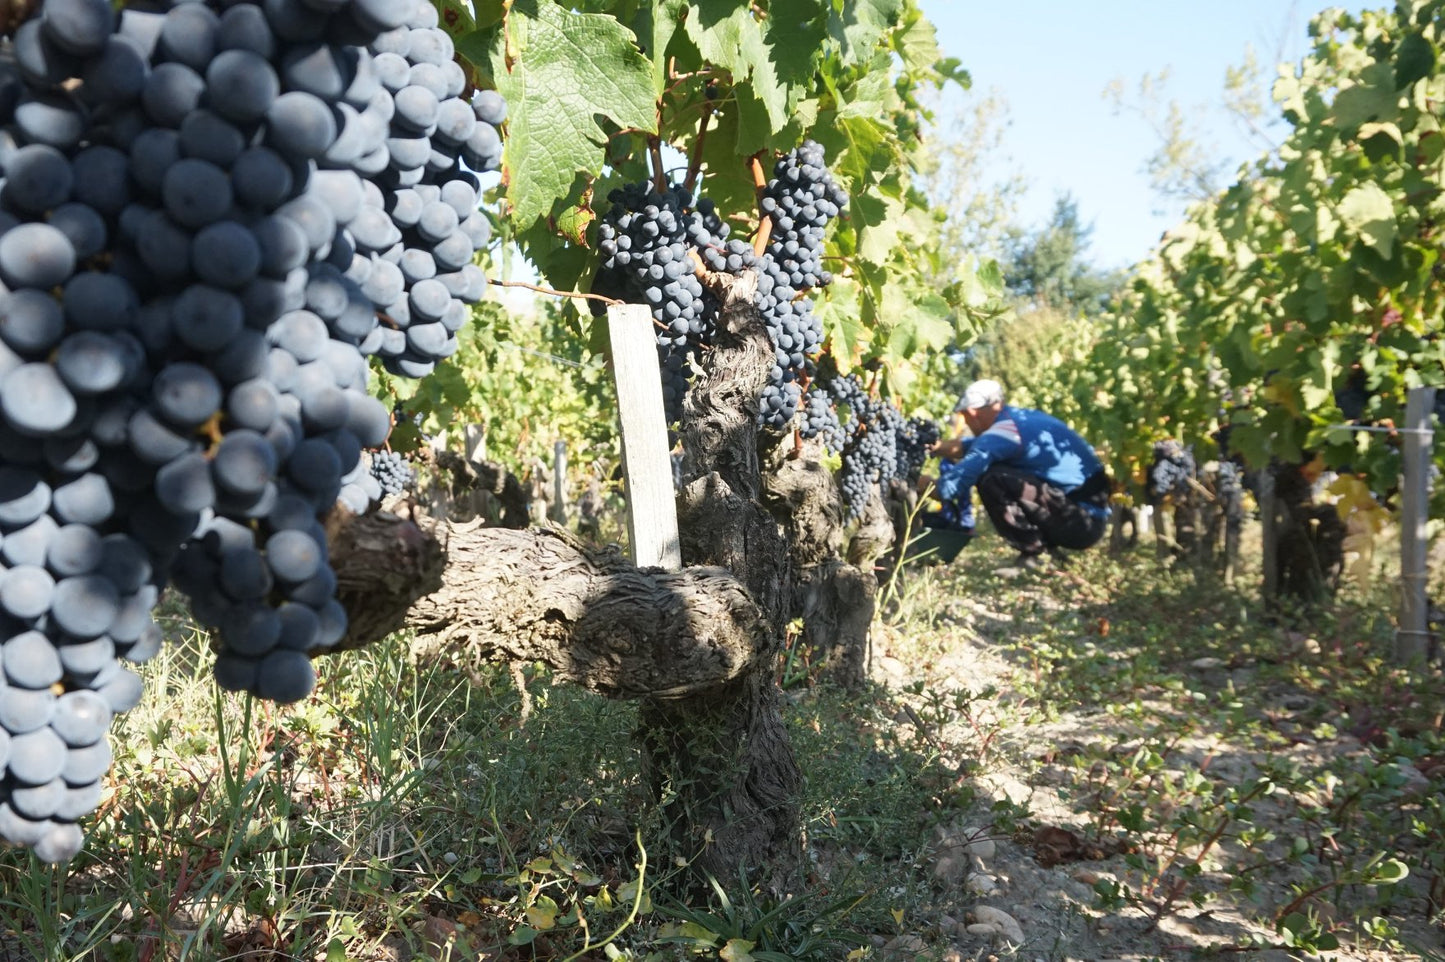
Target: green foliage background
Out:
[1320,261]
[597,88]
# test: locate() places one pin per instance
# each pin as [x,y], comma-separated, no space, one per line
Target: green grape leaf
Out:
[729,37]
[659,22]
[795,31]
[878,220]
[1368,212]
[1415,58]
[918,44]
[917,326]
[857,25]
[1373,98]
[845,334]
[562,73]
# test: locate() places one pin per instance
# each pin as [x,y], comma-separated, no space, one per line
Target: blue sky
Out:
[1052,59]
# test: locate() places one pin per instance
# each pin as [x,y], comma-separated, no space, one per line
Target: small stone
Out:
[982,928]
[980,884]
[890,668]
[905,943]
[1085,877]
[981,847]
[950,869]
[1000,920]
[1204,664]
[451,858]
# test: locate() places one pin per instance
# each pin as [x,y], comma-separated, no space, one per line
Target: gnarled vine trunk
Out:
[699,648]
[834,598]
[1309,553]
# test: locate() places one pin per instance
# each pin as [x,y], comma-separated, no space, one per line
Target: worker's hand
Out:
[949,448]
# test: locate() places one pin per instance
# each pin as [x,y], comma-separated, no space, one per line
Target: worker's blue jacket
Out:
[1029,440]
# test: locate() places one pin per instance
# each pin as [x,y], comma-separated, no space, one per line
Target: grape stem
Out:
[509,48]
[694,164]
[659,175]
[765,223]
[556,293]
[609,301]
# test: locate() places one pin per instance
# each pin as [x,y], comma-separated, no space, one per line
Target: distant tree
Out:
[1187,165]
[961,177]
[1049,266]
[1018,350]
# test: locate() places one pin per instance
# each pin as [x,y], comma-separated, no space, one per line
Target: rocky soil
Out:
[1026,888]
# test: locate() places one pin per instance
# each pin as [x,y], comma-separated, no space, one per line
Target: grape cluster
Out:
[199,232]
[820,418]
[1171,470]
[870,452]
[392,472]
[799,200]
[1229,489]
[1352,398]
[647,241]
[644,239]
[916,437]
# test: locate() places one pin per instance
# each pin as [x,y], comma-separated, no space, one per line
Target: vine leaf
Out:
[844,330]
[879,220]
[1368,211]
[567,71]
[918,46]
[728,36]
[797,29]
[857,26]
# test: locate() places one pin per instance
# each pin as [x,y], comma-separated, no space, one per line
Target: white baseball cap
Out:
[980,394]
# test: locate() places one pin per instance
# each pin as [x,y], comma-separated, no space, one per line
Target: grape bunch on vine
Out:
[213,215]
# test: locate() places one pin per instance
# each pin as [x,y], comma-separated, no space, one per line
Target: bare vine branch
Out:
[765,223]
[609,301]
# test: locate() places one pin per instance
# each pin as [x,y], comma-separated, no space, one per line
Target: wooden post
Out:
[646,462]
[476,442]
[558,513]
[1269,533]
[1413,633]
[1231,548]
[1164,534]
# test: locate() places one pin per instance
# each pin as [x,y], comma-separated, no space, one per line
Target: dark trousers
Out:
[1032,514]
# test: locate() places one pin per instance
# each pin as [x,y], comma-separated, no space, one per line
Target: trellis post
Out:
[646,462]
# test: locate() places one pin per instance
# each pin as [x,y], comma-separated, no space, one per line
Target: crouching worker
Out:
[1041,484]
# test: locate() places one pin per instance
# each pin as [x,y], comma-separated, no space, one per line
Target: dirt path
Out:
[1021,875]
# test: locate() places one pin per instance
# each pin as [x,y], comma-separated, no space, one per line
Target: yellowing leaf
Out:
[736,950]
[543,914]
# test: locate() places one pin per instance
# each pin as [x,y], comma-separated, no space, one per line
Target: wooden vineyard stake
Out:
[646,461]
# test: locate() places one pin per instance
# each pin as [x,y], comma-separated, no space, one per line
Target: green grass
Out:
[404,811]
